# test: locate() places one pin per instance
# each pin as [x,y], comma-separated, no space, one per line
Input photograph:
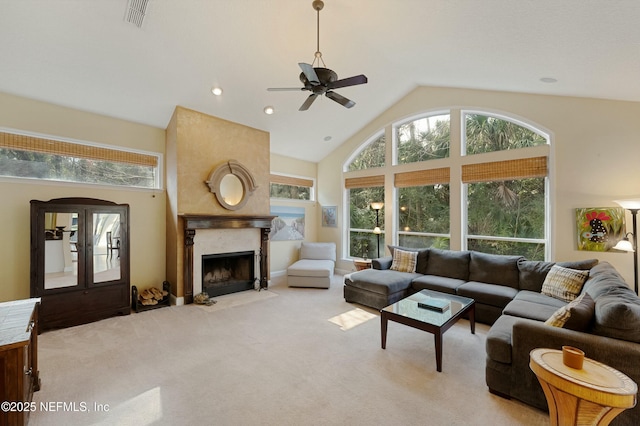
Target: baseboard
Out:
[279,273]
[177,301]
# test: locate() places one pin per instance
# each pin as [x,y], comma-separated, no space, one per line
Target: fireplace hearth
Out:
[226,273]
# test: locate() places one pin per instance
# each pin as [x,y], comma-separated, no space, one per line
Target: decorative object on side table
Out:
[592,395]
[633,206]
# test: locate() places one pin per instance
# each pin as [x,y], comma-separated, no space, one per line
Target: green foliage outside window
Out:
[26,164]
[291,192]
[370,157]
[489,134]
[424,139]
[362,219]
[513,209]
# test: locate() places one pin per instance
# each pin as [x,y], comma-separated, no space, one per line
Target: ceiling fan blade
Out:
[285,89]
[347,103]
[310,73]
[305,106]
[351,81]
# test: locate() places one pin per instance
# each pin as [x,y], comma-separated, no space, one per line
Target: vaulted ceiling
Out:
[83,54]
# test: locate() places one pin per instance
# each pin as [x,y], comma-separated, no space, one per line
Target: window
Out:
[426,138]
[423,208]
[23,156]
[371,156]
[363,242]
[291,188]
[499,200]
[485,133]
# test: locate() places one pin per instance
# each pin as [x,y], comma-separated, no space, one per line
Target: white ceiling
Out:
[82,54]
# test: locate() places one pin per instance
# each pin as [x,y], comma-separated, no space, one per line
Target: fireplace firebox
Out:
[226,273]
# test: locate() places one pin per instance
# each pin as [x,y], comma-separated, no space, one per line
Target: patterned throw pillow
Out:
[564,283]
[404,261]
[576,315]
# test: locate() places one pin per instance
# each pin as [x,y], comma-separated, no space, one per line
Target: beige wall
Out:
[197,144]
[147,208]
[284,253]
[593,157]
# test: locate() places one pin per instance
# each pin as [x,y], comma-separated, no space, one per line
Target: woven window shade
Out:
[505,170]
[288,180]
[422,177]
[48,146]
[364,182]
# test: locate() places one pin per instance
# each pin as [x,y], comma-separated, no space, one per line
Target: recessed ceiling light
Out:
[548,80]
[216,91]
[268,110]
[327,138]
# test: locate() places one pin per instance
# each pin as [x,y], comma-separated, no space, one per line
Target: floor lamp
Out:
[377,207]
[633,206]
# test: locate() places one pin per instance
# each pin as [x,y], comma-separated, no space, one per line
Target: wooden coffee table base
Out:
[436,330]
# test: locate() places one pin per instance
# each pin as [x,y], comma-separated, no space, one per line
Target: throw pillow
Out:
[564,283]
[577,315]
[404,261]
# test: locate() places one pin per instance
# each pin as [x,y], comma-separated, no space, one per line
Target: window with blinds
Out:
[291,187]
[36,157]
[499,175]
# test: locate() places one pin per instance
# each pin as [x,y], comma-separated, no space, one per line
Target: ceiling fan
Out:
[321,80]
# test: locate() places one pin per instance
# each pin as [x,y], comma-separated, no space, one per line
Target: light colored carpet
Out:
[273,361]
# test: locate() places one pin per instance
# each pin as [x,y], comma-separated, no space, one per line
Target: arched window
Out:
[501,203]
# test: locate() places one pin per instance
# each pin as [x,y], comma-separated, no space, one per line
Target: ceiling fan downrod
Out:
[317,6]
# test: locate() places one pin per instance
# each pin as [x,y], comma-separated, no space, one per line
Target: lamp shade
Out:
[624,245]
[377,205]
[630,204]
[377,230]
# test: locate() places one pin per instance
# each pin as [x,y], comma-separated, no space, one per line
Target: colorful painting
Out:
[288,225]
[599,229]
[330,216]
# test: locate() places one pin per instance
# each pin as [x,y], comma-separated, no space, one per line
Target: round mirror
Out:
[232,184]
[231,189]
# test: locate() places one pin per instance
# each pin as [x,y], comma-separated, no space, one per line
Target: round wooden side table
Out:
[361,264]
[593,395]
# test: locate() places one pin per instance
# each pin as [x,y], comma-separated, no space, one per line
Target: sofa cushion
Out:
[494,269]
[311,268]
[576,315]
[318,251]
[539,298]
[488,294]
[404,261]
[564,283]
[533,272]
[448,263]
[498,343]
[437,283]
[617,315]
[530,310]
[423,256]
[382,282]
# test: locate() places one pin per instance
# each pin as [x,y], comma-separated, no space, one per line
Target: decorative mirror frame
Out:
[235,168]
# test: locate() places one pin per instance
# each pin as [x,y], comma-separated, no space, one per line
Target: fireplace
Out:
[223,234]
[226,273]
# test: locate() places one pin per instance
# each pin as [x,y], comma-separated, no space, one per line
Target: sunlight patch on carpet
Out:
[352,318]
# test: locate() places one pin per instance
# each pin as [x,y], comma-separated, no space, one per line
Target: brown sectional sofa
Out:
[507,290]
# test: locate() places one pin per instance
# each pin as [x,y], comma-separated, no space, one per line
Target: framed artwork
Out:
[599,228]
[288,225]
[330,216]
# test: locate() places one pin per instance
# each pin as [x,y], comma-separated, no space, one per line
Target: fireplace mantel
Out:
[193,222]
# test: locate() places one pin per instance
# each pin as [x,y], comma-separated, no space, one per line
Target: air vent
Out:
[136,11]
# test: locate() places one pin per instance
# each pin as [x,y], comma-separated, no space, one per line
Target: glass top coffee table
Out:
[429,311]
